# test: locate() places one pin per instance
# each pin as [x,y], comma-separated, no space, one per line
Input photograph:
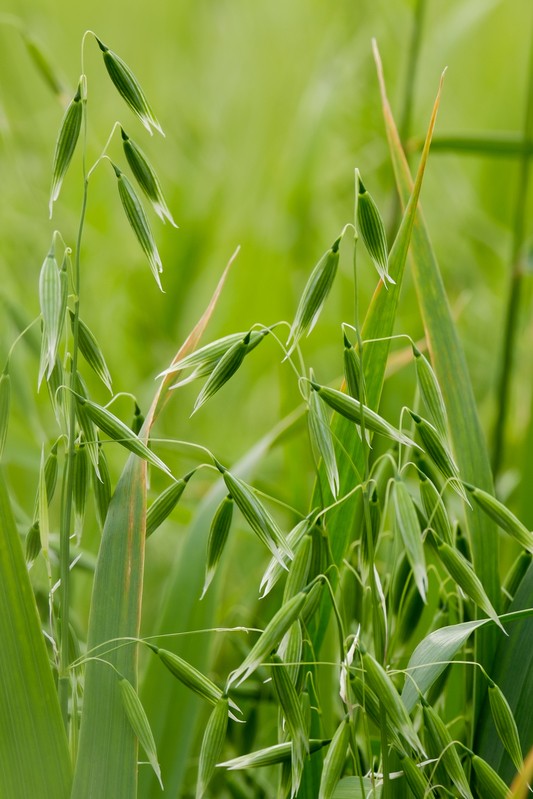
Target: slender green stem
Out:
[406,113]
[68,482]
[515,284]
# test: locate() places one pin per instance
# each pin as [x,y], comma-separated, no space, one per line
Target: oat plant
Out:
[385,623]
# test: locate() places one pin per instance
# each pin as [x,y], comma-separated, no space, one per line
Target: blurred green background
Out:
[267,107]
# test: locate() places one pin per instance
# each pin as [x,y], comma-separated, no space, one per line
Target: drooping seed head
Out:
[501,514]
[314,295]
[372,230]
[270,756]
[322,440]
[66,143]
[146,177]
[335,759]
[129,88]
[212,743]
[218,535]
[165,503]
[140,725]
[505,724]
[139,223]
[91,351]
[408,528]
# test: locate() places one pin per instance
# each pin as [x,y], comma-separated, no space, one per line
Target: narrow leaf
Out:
[34,759]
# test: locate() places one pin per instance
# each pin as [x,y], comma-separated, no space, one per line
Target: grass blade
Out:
[34,757]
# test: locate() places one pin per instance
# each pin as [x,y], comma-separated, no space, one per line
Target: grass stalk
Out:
[68,483]
[516,276]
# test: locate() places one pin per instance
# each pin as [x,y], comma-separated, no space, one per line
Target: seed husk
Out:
[212,743]
[91,351]
[290,650]
[138,420]
[372,230]
[352,369]
[489,781]
[163,506]
[5,402]
[218,535]
[52,302]
[188,675]
[505,724]
[139,722]
[438,451]
[436,511]
[257,517]
[334,761]
[314,295]
[129,88]
[81,485]
[101,487]
[33,542]
[368,700]
[443,745]
[270,756]
[275,569]
[208,355]
[118,431]
[224,369]
[270,638]
[382,685]
[431,393]
[139,223]
[86,424]
[292,711]
[408,527]
[146,177]
[464,575]
[298,575]
[497,511]
[355,411]
[50,472]
[322,440]
[66,143]
[414,777]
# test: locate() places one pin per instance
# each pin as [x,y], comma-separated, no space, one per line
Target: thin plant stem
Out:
[68,483]
[515,283]
[406,112]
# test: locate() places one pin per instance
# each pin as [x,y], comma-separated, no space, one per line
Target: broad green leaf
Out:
[106,736]
[431,657]
[34,756]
